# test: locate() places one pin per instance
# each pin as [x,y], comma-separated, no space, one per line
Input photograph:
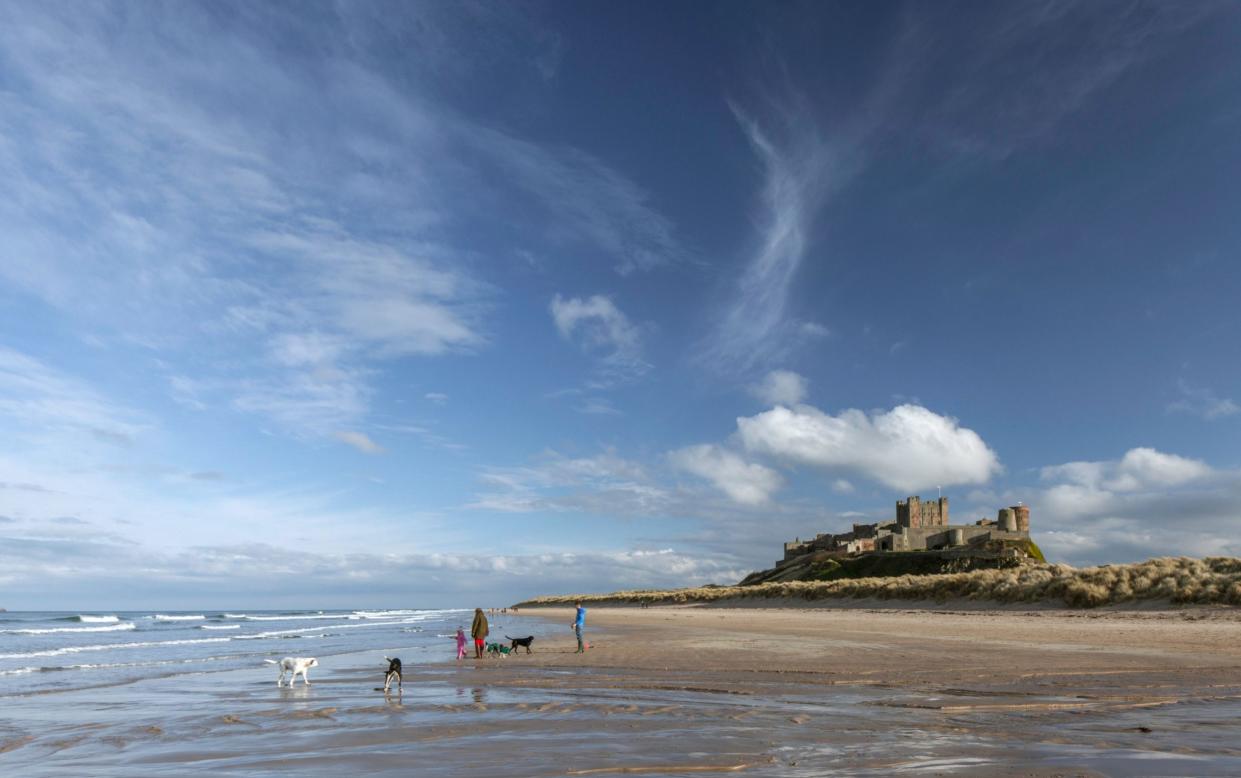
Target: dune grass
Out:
[1179,580]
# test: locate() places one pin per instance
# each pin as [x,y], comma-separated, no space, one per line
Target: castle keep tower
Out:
[915,514]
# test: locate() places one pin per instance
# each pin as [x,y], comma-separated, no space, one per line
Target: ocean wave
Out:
[162,617]
[317,631]
[302,617]
[111,646]
[113,665]
[126,626]
[219,626]
[96,619]
[283,633]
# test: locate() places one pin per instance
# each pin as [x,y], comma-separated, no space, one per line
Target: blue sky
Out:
[414,304]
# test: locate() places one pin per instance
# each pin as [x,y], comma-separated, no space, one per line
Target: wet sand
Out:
[685,691]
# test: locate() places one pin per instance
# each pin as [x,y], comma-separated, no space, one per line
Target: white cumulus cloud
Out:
[744,482]
[906,448]
[1140,468]
[1146,503]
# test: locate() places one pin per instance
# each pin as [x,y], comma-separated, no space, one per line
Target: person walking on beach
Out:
[460,644]
[479,631]
[579,622]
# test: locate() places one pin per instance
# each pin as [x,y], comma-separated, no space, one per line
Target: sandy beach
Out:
[688,690]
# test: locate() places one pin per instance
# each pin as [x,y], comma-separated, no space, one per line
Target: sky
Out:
[452,304]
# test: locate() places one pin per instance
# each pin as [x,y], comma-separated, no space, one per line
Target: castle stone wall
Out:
[919,526]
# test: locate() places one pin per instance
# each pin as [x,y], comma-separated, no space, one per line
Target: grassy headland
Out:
[1177,580]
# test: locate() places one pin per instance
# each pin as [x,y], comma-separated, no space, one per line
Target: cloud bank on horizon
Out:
[420,304]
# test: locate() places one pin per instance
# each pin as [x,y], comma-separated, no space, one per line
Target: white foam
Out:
[49,630]
[219,626]
[19,671]
[99,619]
[110,646]
[162,617]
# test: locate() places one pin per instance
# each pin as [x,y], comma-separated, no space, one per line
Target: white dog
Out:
[293,666]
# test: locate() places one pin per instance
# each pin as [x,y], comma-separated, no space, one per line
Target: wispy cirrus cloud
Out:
[734,509]
[1012,78]
[606,484]
[799,168]
[602,330]
[359,440]
[135,504]
[35,396]
[38,569]
[781,387]
[1202,402]
[1003,81]
[585,201]
[209,197]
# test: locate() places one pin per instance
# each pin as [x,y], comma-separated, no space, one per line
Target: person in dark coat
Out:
[480,631]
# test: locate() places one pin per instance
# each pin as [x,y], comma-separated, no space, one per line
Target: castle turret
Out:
[1007,520]
[1023,517]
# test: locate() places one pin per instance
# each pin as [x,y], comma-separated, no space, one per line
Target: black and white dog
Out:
[523,642]
[394,673]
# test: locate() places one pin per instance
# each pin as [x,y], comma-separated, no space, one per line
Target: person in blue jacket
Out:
[579,622]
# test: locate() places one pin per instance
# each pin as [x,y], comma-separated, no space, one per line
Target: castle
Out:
[919,526]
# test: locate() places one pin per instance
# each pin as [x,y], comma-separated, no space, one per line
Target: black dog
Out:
[525,642]
[394,672]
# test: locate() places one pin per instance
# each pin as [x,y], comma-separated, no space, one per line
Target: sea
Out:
[42,651]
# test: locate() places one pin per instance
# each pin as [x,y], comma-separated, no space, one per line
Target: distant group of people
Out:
[480,629]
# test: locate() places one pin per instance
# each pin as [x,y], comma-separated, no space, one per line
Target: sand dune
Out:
[1169,580]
